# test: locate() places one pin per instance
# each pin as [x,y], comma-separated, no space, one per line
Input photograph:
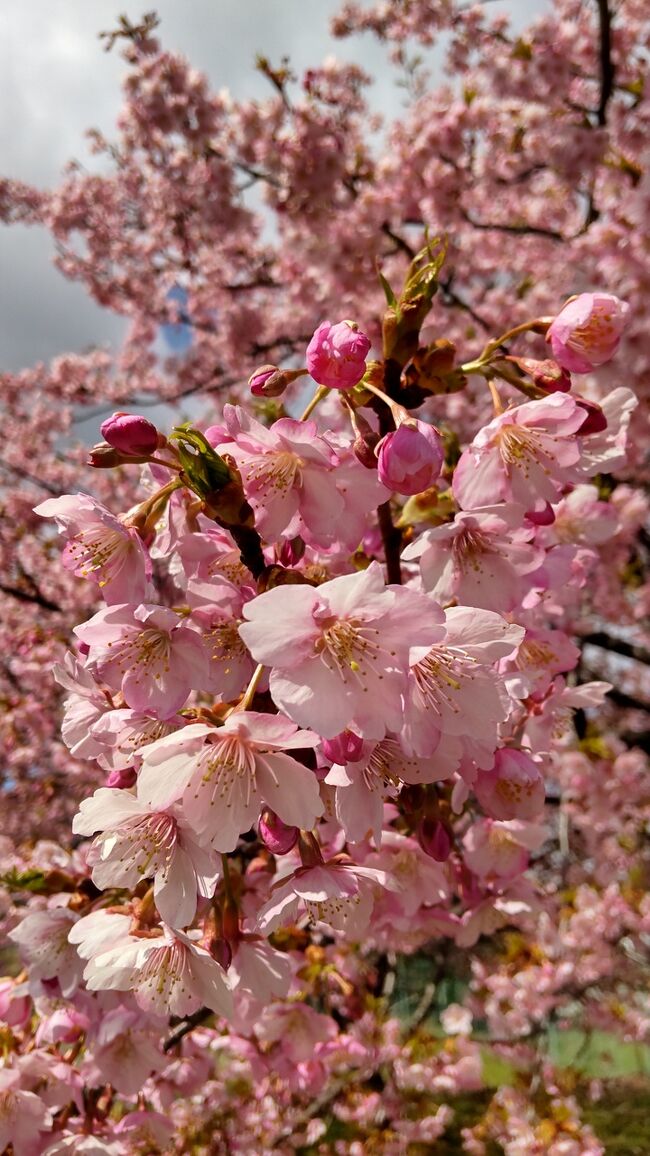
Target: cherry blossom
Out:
[339,653]
[100,547]
[147,653]
[224,775]
[139,843]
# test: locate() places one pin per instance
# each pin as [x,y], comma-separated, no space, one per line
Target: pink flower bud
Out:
[123,779]
[544,517]
[276,835]
[434,838]
[587,331]
[344,748]
[410,459]
[595,420]
[546,374]
[130,433]
[290,551]
[513,789]
[336,355]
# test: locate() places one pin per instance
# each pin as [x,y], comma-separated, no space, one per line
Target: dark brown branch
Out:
[617,645]
[33,596]
[398,241]
[451,297]
[392,538]
[517,230]
[194,1021]
[27,477]
[607,68]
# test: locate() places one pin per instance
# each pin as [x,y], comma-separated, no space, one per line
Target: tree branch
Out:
[617,645]
[34,596]
[392,538]
[607,68]
[187,1026]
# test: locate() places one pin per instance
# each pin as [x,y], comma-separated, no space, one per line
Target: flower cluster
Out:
[343,709]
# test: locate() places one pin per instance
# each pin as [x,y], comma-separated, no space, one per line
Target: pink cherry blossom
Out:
[125,1052]
[24,1118]
[513,789]
[361,784]
[140,843]
[223,776]
[493,848]
[168,973]
[336,354]
[259,969]
[410,458]
[287,470]
[42,937]
[453,688]
[525,455]
[338,893]
[339,653]
[587,331]
[148,653]
[100,547]
[484,558]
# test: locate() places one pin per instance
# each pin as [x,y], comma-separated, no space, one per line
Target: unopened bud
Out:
[410,459]
[595,421]
[344,748]
[435,839]
[122,779]
[547,374]
[131,434]
[544,517]
[105,457]
[221,951]
[271,381]
[276,835]
[290,551]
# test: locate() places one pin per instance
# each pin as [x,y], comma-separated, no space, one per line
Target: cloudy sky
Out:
[57,81]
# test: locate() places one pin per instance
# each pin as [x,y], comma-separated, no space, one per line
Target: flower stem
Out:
[321,392]
[250,689]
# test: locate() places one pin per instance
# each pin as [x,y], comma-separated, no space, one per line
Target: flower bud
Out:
[595,421]
[221,950]
[343,748]
[276,835]
[130,433]
[544,517]
[410,459]
[290,551]
[271,381]
[122,779]
[587,331]
[547,374]
[434,838]
[336,355]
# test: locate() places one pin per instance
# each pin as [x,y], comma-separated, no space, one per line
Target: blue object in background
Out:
[178,336]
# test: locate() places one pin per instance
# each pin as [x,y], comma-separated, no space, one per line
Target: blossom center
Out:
[99,550]
[347,646]
[439,677]
[274,473]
